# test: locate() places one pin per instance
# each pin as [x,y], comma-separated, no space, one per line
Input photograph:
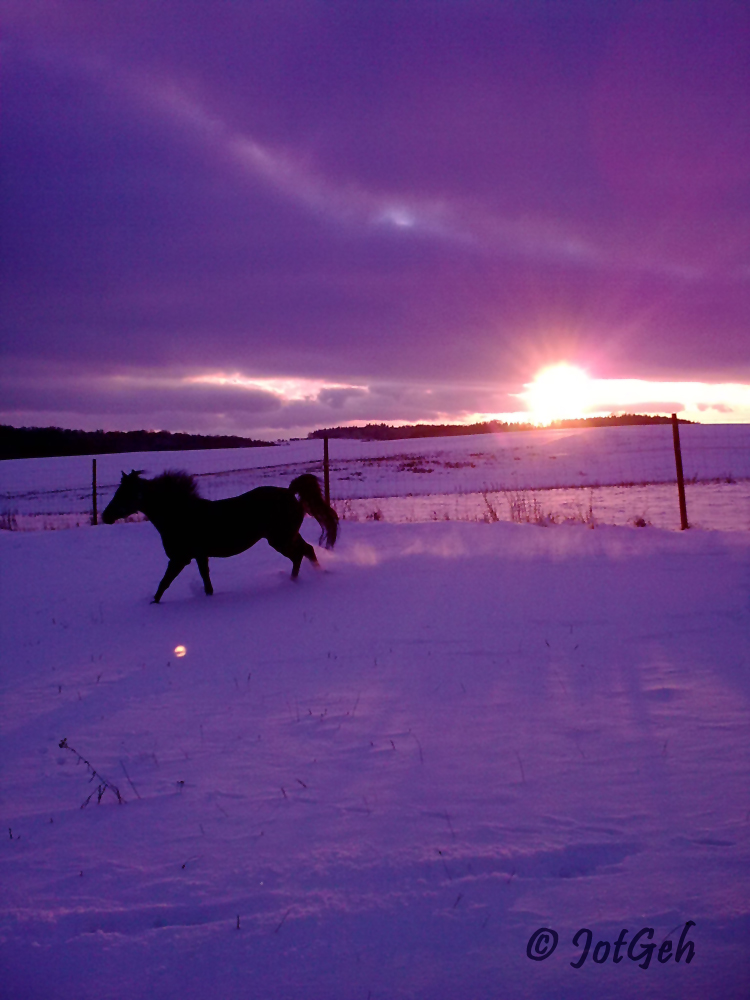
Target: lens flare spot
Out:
[180,650]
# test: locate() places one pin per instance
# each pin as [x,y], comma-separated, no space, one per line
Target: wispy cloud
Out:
[457,219]
[289,390]
[460,221]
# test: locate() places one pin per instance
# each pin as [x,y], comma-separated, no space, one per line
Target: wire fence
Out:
[607,475]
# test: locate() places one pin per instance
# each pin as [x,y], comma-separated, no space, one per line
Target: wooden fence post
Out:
[94,516]
[680,479]
[326,476]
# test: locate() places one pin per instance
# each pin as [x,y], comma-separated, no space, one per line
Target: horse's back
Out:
[263,501]
[230,526]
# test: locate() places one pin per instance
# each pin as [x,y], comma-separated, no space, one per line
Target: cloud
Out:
[718,407]
[132,395]
[229,403]
[337,398]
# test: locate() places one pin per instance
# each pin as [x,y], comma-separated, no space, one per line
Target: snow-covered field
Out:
[381,781]
[718,506]
[56,492]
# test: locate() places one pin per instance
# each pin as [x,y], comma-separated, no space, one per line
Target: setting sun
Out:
[557,393]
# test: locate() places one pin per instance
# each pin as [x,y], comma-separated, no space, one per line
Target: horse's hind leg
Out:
[302,550]
[203,570]
[295,549]
[175,567]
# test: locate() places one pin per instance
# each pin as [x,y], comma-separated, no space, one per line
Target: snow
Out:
[523,460]
[381,780]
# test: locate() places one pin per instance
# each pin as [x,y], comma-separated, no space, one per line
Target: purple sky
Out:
[413,205]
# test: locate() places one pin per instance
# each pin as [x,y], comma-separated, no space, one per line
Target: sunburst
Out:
[558,393]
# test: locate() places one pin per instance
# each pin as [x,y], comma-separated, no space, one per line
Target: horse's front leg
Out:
[175,567]
[203,570]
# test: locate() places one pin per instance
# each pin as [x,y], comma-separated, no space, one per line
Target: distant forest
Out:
[48,442]
[384,432]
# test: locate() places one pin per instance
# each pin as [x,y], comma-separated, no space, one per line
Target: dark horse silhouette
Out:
[192,527]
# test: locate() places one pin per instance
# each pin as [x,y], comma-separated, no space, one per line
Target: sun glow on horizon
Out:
[564,392]
[560,392]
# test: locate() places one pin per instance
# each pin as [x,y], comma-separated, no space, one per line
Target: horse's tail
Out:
[307,488]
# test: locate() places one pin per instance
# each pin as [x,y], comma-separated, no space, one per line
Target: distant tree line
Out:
[47,442]
[385,432]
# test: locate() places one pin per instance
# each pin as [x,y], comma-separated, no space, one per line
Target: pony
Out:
[192,527]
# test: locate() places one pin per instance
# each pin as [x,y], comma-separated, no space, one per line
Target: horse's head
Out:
[128,498]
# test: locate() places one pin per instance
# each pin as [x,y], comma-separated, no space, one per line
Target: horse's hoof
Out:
[155,600]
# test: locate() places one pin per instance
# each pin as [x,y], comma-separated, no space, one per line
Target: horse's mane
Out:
[174,484]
